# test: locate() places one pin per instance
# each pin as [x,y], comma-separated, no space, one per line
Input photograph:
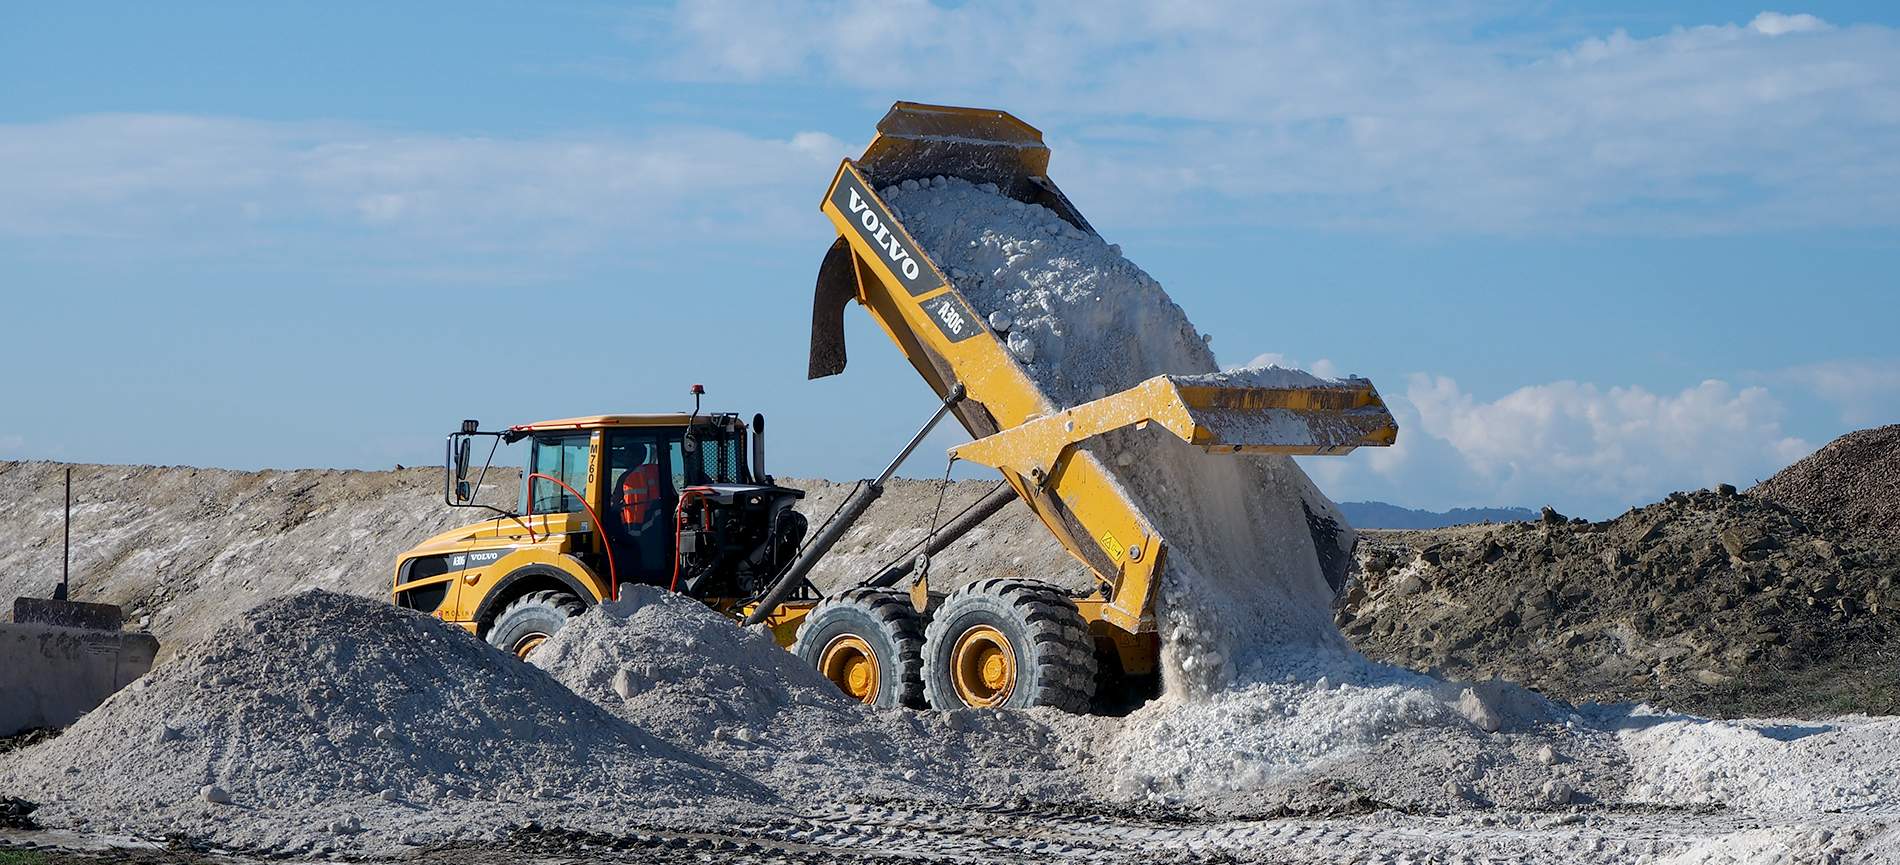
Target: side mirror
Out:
[462,491]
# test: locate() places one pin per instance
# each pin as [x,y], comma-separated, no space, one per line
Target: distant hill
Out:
[1379,515]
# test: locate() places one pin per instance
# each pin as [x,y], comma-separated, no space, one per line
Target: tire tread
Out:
[1063,651]
[900,623]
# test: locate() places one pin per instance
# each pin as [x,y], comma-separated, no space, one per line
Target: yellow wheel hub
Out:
[528,644]
[983,667]
[850,663]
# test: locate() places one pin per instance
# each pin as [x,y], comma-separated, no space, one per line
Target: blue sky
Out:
[1591,252]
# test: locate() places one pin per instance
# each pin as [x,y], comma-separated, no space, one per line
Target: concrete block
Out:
[68,614]
[49,675]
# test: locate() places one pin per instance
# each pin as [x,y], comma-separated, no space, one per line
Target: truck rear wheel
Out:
[868,642]
[531,619]
[1013,643]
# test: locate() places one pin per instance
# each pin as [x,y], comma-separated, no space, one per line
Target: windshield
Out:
[563,456]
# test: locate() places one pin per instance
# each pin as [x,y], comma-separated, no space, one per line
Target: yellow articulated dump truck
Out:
[683,501]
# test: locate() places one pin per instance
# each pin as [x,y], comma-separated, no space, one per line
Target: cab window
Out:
[719,458]
[564,457]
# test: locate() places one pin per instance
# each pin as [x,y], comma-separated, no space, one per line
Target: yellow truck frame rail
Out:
[1016,428]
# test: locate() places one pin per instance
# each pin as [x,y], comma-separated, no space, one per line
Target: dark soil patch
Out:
[1711,602]
[1853,483]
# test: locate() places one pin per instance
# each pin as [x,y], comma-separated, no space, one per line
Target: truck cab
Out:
[673,500]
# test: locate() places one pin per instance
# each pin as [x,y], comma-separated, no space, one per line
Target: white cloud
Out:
[1317,114]
[1580,447]
[12,445]
[1866,392]
[1776,23]
[225,180]
[1574,445]
[1436,117]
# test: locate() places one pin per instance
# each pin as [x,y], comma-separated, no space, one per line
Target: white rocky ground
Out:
[324,722]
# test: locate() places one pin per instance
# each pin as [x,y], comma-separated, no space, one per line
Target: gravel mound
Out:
[1853,481]
[1709,602]
[322,720]
[677,668]
[1847,764]
[1373,733]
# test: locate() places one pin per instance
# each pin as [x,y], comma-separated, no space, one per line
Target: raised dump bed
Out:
[1018,429]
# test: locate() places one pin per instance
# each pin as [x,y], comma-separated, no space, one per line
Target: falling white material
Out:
[1243,576]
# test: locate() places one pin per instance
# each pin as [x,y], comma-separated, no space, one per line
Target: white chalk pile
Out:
[689,675]
[318,717]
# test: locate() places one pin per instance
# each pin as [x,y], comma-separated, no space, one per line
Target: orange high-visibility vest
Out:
[639,490]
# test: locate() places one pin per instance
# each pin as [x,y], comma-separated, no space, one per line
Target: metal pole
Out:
[852,509]
[948,534]
[956,396]
[66,556]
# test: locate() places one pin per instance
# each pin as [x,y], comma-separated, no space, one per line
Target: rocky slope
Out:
[1714,601]
[1853,482]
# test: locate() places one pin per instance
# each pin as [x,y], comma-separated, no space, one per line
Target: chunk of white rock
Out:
[1022,347]
[1477,711]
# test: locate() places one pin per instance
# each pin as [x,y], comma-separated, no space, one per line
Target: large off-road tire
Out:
[868,642]
[531,619]
[1013,643]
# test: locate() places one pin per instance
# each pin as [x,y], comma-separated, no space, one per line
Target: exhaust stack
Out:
[758,450]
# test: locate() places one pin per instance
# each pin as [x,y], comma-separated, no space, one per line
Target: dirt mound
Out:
[314,718]
[1709,602]
[1853,481]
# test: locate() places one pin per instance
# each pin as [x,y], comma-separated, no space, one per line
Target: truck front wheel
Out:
[531,619]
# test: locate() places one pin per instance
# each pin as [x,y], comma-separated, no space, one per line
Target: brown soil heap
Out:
[1854,481]
[1710,602]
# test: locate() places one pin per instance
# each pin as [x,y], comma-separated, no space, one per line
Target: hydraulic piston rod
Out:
[984,508]
[847,516]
